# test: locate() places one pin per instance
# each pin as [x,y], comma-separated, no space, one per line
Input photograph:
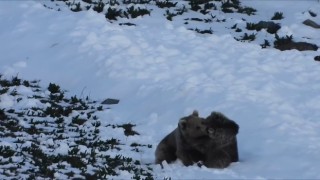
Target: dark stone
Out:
[311,23]
[110,101]
[312,13]
[127,24]
[300,46]
[317,58]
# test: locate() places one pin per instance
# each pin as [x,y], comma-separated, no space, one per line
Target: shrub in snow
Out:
[252,26]
[270,26]
[277,16]
[230,6]
[194,5]
[76,7]
[170,15]
[113,2]
[53,88]
[55,92]
[247,10]
[205,31]
[247,37]
[2,114]
[87,1]
[98,7]
[133,12]
[113,14]
[265,44]
[209,5]
[166,4]
[136,1]
[15,81]
[283,40]
[238,30]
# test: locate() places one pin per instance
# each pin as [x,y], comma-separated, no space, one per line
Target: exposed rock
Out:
[312,13]
[300,46]
[127,24]
[317,58]
[311,23]
[110,101]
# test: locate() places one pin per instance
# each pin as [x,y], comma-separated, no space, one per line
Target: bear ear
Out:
[183,123]
[195,113]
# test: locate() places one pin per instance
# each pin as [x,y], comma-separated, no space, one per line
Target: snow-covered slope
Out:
[161,71]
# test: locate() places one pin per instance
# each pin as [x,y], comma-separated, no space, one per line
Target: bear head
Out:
[192,126]
[220,129]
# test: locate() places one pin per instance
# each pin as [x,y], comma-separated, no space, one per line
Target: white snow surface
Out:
[161,71]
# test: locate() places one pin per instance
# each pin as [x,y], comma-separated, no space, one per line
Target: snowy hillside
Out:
[161,70]
[45,134]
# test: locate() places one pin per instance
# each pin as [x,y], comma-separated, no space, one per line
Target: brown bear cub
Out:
[182,143]
[222,149]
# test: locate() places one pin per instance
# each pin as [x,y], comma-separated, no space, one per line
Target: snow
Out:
[63,148]
[6,101]
[161,71]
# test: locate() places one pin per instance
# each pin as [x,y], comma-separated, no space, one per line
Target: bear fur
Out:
[182,143]
[222,148]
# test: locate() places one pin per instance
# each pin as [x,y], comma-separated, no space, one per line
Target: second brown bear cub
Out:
[222,148]
[211,141]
